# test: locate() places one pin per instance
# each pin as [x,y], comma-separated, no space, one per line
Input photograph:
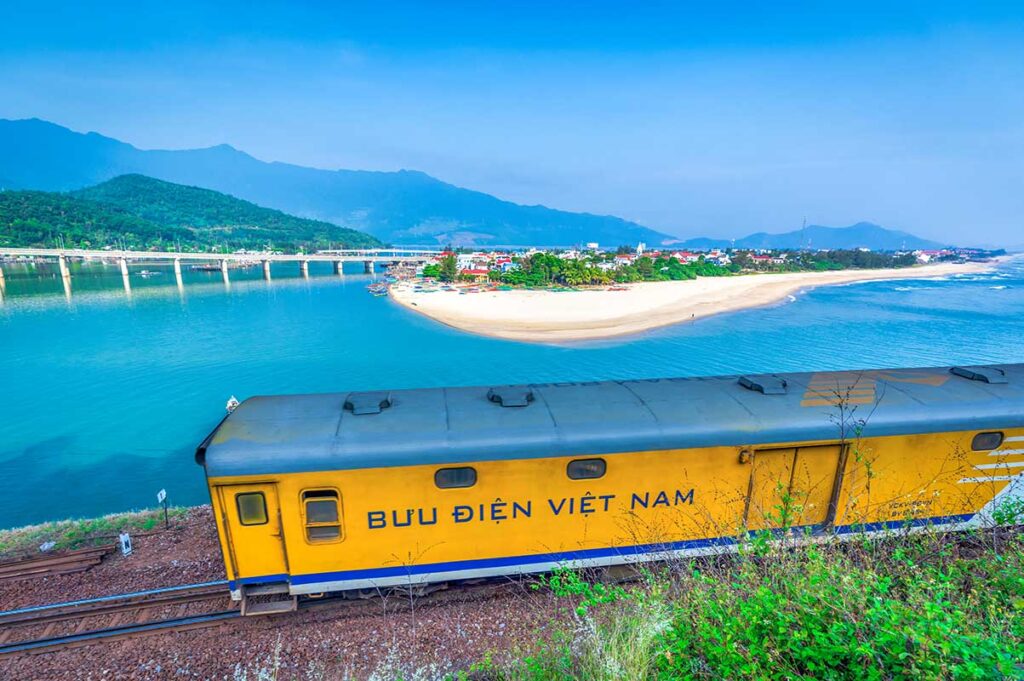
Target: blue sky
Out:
[694,118]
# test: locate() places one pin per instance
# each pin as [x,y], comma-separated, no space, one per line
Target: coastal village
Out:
[594,265]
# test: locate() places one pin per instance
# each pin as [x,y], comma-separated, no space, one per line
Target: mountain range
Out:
[403,207]
[860,235]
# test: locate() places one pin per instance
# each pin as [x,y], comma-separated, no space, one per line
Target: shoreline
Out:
[595,314]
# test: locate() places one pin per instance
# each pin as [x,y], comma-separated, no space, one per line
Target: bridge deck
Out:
[376,255]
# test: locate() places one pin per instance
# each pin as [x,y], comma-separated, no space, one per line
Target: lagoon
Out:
[104,397]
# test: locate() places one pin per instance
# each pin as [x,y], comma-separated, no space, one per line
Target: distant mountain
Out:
[144,213]
[860,235]
[397,207]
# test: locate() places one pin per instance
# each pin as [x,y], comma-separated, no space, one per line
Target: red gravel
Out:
[379,638]
[186,554]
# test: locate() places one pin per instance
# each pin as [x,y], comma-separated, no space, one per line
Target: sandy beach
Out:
[549,316]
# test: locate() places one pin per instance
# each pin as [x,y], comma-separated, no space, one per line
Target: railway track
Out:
[64,625]
[64,563]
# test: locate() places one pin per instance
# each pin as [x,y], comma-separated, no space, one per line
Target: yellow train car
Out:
[321,493]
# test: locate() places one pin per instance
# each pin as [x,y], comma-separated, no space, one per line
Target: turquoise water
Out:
[103,397]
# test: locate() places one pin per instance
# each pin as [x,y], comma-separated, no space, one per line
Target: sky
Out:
[717,118]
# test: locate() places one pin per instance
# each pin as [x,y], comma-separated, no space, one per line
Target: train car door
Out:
[792,486]
[252,517]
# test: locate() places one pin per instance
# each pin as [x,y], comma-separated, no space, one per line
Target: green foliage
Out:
[141,213]
[548,269]
[448,269]
[74,534]
[821,261]
[818,614]
[570,583]
[433,271]
[1009,512]
[31,218]
[913,607]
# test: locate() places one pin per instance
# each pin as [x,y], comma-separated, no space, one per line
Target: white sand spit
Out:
[548,316]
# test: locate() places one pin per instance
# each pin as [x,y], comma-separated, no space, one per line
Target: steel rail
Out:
[124,631]
[99,607]
[114,597]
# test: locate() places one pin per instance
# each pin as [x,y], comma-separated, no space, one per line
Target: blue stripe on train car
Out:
[584,554]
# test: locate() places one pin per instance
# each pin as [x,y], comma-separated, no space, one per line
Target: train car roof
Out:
[336,431]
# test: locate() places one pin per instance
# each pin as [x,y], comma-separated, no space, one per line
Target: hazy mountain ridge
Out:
[143,212]
[860,235]
[398,207]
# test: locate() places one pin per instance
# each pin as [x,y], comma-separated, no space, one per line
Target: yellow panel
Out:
[255,549]
[814,477]
[769,488]
[394,517]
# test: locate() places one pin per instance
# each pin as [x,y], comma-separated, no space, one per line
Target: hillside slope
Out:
[143,213]
[399,207]
[205,211]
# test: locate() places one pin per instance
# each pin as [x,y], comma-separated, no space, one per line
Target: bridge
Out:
[370,258]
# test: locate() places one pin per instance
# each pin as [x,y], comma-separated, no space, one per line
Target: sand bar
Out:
[588,314]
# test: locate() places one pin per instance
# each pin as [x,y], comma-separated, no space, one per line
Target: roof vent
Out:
[768,384]
[985,374]
[367,403]
[511,395]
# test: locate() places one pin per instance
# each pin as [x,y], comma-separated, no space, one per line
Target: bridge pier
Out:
[339,268]
[368,266]
[123,262]
[62,261]
[3,284]
[266,270]
[177,273]
[304,268]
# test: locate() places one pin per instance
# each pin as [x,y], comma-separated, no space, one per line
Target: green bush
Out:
[914,607]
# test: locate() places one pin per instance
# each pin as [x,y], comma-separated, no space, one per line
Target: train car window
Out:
[447,478]
[323,522]
[252,508]
[586,469]
[986,441]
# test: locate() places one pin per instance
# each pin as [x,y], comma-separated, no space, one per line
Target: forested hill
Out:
[39,218]
[143,213]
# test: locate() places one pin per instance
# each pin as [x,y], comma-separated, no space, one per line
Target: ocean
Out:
[104,395]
